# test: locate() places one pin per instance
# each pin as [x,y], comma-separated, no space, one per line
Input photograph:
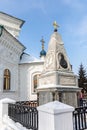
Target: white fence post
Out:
[55,116]
[4,106]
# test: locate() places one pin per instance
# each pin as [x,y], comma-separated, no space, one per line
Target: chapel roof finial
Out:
[42,41]
[55,26]
[43,52]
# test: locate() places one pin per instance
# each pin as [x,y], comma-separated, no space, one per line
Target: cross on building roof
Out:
[55,26]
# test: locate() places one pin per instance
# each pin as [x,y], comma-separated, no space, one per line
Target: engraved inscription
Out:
[64,80]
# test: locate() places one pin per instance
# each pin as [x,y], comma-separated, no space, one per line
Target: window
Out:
[35,82]
[6,79]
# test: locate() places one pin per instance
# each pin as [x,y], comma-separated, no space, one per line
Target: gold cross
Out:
[55,25]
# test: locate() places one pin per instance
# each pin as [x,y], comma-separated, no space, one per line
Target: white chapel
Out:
[19,71]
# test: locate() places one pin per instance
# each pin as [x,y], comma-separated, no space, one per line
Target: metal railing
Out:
[79,117]
[84,102]
[26,115]
[28,103]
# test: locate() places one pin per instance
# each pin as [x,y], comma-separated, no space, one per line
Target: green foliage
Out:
[82,78]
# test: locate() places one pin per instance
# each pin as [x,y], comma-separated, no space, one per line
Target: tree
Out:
[82,78]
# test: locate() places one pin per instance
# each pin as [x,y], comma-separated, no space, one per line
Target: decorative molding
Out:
[10,43]
[11,24]
[10,19]
[49,63]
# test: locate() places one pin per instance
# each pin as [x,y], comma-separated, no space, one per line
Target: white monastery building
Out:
[19,71]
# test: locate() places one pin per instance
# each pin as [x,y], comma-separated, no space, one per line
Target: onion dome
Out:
[43,53]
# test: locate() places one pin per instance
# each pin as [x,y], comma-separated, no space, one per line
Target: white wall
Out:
[26,81]
[10,52]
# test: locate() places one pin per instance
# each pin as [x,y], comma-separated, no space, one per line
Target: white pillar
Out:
[4,106]
[55,116]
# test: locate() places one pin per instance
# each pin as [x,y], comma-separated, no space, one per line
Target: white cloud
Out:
[77,34]
[82,27]
[78,28]
[83,44]
[39,5]
[22,6]
[75,4]
[67,2]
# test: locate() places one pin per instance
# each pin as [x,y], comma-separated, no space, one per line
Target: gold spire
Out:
[55,26]
[42,41]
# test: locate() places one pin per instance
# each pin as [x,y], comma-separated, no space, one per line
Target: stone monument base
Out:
[67,95]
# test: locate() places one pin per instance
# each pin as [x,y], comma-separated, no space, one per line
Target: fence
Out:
[26,115]
[79,116]
[84,102]
[28,103]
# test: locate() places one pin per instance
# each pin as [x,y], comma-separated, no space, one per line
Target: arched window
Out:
[6,79]
[35,82]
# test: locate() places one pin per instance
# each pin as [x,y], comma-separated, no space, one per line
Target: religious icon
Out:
[62,61]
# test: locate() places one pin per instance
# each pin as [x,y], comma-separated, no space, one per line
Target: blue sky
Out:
[39,16]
